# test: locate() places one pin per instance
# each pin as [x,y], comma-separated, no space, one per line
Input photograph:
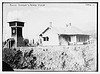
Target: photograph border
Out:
[60,3]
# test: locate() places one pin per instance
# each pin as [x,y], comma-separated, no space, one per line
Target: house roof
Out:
[70,30]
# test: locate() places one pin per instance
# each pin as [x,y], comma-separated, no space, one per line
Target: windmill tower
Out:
[16,32]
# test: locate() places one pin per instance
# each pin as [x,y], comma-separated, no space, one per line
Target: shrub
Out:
[12,57]
[26,42]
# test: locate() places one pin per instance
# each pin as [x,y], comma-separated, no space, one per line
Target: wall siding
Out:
[53,38]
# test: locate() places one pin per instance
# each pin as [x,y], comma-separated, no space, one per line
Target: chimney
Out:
[69,24]
[66,25]
[50,24]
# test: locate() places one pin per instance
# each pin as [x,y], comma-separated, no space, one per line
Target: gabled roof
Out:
[70,30]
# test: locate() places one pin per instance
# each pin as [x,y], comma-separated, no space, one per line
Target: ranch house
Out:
[63,36]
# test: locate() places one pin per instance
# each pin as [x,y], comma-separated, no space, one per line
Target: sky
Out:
[37,17]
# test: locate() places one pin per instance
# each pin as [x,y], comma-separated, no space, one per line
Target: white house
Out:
[63,36]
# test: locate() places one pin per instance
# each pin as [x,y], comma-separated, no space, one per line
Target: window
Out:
[45,38]
[13,31]
[80,39]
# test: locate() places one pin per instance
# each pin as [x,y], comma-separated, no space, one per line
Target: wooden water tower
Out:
[16,32]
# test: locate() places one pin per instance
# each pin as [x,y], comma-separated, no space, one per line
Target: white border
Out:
[47,1]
